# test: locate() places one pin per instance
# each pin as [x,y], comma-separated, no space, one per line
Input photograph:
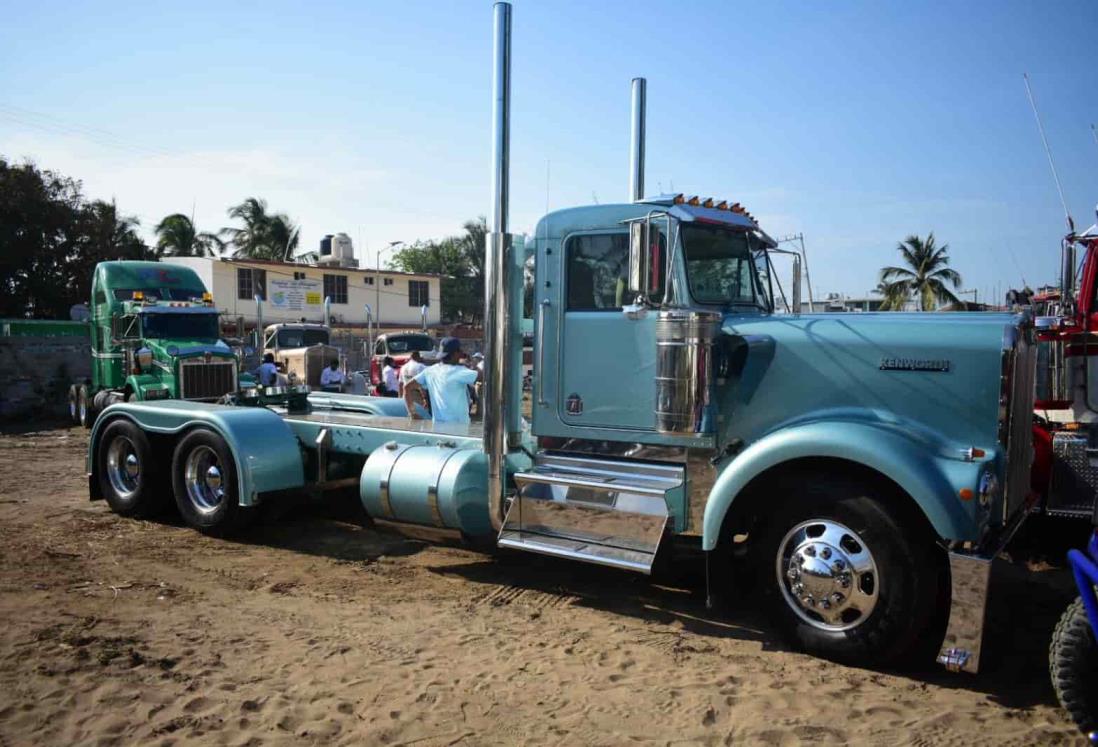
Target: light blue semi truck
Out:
[861,470]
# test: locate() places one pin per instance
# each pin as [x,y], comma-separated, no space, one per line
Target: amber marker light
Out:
[966,494]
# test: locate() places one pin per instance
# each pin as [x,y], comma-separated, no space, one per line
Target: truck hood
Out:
[929,373]
[168,349]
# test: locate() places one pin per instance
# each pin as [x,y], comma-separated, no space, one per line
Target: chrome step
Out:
[599,511]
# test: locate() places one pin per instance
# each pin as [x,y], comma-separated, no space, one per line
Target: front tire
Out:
[1073,665]
[128,473]
[204,482]
[846,575]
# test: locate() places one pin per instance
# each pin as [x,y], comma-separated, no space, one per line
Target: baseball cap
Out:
[450,345]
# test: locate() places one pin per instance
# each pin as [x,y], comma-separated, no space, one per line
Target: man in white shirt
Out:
[390,378]
[331,378]
[447,382]
[410,369]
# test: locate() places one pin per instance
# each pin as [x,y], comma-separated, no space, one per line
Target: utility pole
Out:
[799,238]
[975,294]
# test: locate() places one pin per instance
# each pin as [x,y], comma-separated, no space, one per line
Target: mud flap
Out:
[971,576]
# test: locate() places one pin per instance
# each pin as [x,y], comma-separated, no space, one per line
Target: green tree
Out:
[51,238]
[264,235]
[455,259]
[927,277]
[176,236]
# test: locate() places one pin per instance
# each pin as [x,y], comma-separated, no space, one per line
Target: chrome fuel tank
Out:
[437,486]
[684,370]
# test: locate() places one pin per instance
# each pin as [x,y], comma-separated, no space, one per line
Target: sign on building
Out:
[296,295]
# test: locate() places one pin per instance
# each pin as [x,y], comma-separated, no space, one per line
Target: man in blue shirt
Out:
[447,382]
[267,373]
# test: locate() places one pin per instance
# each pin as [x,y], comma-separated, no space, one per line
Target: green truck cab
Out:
[154,334]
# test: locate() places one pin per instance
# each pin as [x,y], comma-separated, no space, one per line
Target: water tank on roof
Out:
[326,246]
[341,247]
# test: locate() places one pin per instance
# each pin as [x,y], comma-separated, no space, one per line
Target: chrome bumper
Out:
[971,576]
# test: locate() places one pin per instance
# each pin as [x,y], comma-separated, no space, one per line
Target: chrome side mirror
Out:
[639,267]
[634,311]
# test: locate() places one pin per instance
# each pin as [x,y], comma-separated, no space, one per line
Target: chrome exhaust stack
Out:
[637,137]
[497,286]
[258,323]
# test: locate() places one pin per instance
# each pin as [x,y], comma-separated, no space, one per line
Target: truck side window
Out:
[596,271]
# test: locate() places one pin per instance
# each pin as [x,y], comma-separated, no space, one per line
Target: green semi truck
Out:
[154,334]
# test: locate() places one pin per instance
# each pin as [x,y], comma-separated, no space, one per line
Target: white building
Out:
[291,291]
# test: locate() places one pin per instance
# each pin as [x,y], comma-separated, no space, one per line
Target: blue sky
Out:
[854,123]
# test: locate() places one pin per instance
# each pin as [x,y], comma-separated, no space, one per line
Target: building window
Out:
[369,280]
[335,288]
[388,281]
[299,276]
[418,294]
[251,282]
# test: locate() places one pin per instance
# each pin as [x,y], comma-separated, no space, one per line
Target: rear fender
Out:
[930,478]
[266,452]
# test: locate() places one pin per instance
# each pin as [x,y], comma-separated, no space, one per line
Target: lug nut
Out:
[845,582]
[810,551]
[838,565]
[837,598]
[798,589]
[824,604]
[808,602]
[825,553]
[792,574]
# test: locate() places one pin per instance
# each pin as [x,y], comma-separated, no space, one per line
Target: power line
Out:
[53,125]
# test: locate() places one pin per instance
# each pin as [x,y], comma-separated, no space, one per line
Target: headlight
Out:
[144,358]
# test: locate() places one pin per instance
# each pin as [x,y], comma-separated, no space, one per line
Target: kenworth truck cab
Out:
[154,335]
[861,470]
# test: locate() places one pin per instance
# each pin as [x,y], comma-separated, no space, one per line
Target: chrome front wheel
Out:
[827,574]
[204,482]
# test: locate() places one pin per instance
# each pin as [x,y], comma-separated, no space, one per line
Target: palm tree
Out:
[926,278]
[249,241]
[282,236]
[264,235]
[176,236]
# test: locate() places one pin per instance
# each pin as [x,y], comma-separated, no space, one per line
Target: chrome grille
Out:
[202,380]
[1016,412]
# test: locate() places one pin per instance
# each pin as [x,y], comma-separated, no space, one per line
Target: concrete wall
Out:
[35,374]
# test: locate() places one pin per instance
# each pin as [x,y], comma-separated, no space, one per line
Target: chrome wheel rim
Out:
[83,409]
[827,575]
[202,474]
[123,467]
[73,411]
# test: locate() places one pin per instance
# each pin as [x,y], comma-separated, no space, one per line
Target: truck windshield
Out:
[408,343]
[719,266]
[180,326]
[302,338]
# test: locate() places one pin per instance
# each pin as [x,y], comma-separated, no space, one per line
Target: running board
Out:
[598,511]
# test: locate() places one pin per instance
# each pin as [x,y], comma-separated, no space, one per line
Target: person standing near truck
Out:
[410,369]
[447,383]
[331,378]
[267,373]
[390,378]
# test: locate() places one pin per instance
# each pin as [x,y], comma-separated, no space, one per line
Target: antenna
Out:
[1048,152]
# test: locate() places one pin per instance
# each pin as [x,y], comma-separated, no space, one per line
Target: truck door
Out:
[606,361]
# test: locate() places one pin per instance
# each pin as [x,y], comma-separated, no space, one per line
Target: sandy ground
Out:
[313,630]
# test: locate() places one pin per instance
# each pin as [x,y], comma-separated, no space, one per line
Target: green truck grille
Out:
[206,380]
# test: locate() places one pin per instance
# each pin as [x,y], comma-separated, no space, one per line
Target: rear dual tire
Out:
[130,476]
[204,482]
